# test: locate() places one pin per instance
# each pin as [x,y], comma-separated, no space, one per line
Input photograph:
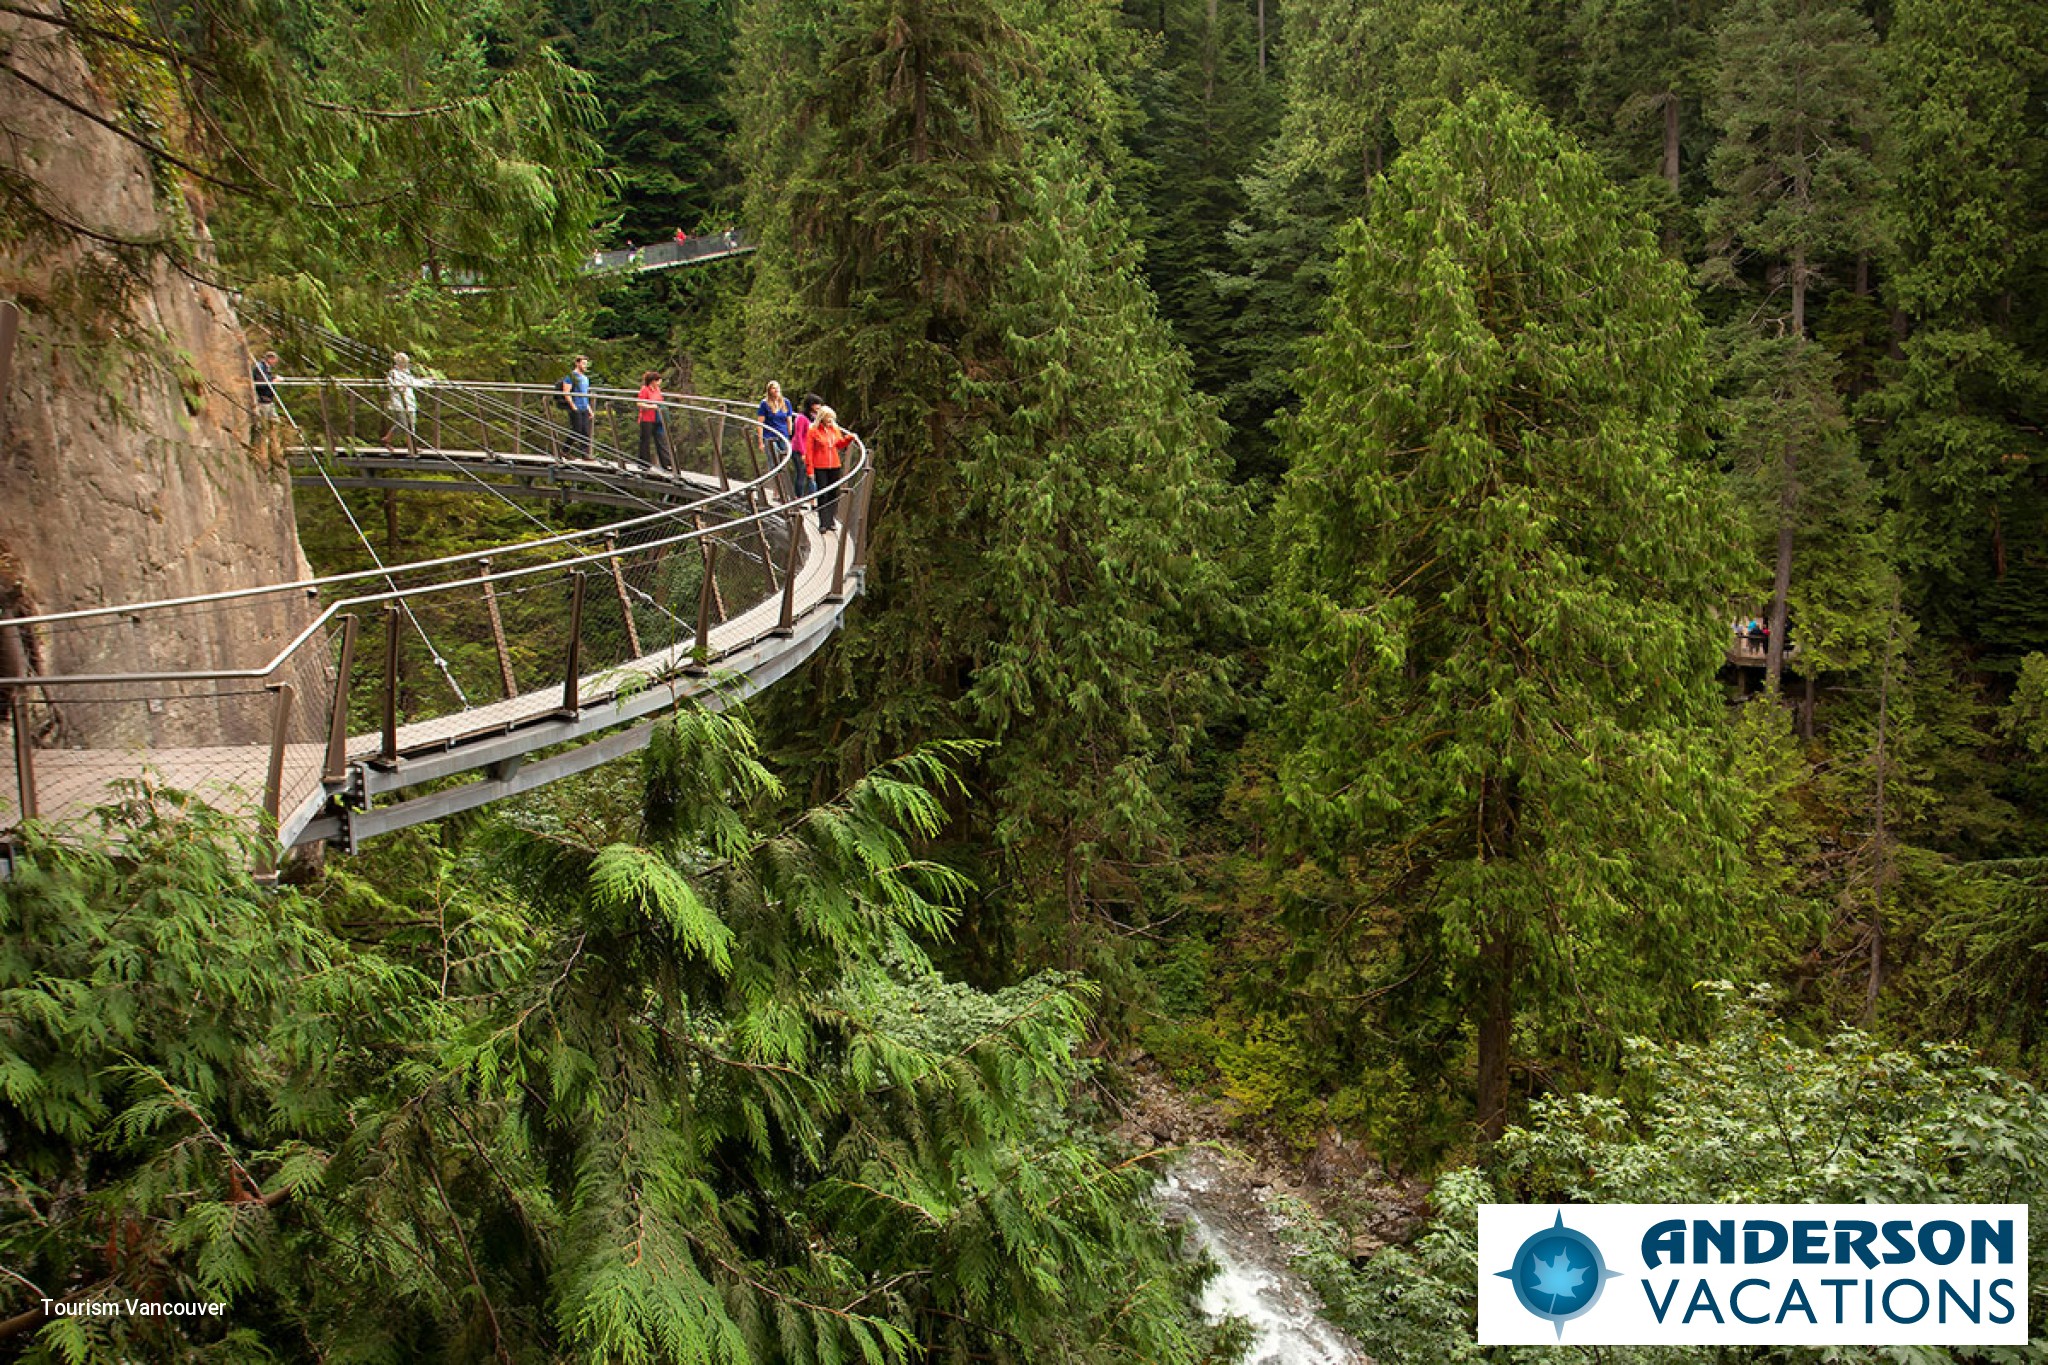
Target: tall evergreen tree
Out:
[1964,410]
[1209,107]
[1047,508]
[1497,713]
[1795,101]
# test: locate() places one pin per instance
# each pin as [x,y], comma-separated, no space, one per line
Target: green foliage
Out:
[1794,97]
[1046,571]
[1752,1116]
[1496,720]
[694,1094]
[1208,109]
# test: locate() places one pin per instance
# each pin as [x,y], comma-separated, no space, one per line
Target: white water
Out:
[1253,1281]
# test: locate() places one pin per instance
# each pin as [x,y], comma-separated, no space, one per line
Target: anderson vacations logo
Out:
[1753,1274]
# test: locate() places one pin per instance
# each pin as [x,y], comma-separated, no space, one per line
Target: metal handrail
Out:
[309,585]
[859,467]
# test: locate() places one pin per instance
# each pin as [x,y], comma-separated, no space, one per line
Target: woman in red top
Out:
[827,440]
[653,429]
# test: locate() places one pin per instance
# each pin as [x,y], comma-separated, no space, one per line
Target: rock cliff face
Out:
[127,468]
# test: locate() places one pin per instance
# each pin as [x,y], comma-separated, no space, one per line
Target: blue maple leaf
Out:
[1557,1277]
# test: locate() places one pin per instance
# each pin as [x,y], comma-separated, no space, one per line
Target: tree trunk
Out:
[1799,292]
[1781,584]
[1211,52]
[1671,141]
[1882,870]
[1496,1019]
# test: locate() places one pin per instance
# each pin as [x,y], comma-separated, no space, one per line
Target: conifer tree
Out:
[1049,500]
[1208,109]
[1795,101]
[1962,448]
[674,1085]
[1498,605]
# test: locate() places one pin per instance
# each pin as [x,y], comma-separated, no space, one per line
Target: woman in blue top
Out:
[776,416]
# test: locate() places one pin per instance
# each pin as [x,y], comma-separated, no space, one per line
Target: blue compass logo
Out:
[1558,1274]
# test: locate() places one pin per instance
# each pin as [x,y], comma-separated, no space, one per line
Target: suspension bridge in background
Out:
[360,703]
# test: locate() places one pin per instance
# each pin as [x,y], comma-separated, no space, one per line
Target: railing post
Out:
[14,663]
[572,673]
[337,716]
[273,780]
[437,421]
[718,454]
[505,677]
[700,656]
[838,593]
[611,545]
[24,754]
[327,419]
[860,516]
[717,594]
[787,626]
[388,753]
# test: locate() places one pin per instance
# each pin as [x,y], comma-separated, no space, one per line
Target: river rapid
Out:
[1226,1213]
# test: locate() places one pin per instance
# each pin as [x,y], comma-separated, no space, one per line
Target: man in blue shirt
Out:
[575,390]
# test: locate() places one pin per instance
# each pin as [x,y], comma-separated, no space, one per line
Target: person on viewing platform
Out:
[653,427]
[826,441]
[682,237]
[800,442]
[404,402]
[263,378]
[573,393]
[775,415]
[268,439]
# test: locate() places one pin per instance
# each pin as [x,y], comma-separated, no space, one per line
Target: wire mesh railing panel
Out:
[264,751]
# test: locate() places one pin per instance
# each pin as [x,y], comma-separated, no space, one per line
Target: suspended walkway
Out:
[355,704]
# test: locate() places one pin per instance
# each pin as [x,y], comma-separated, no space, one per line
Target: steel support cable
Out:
[444,458]
[368,354]
[441,457]
[403,605]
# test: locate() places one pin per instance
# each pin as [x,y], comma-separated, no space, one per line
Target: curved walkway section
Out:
[478,675]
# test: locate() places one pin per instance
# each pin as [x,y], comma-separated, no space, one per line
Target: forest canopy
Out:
[1459,581]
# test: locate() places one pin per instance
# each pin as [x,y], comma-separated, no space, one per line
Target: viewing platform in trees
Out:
[1750,651]
[506,667]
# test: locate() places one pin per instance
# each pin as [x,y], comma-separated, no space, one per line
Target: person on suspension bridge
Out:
[653,427]
[573,393]
[404,403]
